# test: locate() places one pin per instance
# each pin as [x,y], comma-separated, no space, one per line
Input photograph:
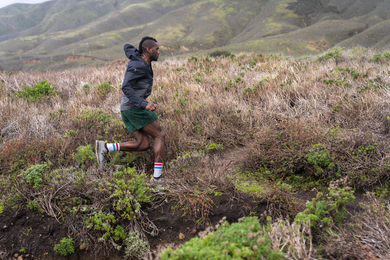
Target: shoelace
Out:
[104,152]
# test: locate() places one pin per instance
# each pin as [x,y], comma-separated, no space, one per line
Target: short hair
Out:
[144,45]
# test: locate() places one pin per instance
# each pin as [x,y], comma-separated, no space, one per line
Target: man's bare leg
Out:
[141,142]
[155,131]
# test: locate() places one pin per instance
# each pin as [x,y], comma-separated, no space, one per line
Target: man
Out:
[137,113]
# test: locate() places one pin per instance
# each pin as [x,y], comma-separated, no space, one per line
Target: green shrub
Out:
[319,157]
[219,53]
[193,58]
[334,54]
[386,55]
[33,205]
[105,221]
[86,87]
[243,240]
[197,129]
[214,146]
[2,206]
[34,174]
[126,190]
[183,100]
[65,247]
[325,210]
[37,92]
[377,57]
[129,182]
[104,88]
[134,245]
[197,78]
[252,63]
[84,155]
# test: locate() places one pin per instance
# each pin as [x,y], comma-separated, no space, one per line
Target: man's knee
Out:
[144,145]
[161,136]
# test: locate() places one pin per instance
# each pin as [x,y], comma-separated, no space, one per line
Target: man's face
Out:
[154,52]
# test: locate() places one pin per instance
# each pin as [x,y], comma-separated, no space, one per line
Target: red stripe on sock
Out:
[158,164]
[117,146]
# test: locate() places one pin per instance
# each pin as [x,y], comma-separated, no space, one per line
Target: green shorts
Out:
[136,118]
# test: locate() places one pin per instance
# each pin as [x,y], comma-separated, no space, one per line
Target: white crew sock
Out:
[157,170]
[113,147]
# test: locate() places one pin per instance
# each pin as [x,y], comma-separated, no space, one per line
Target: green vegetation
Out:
[104,88]
[34,175]
[65,247]
[333,54]
[84,155]
[214,146]
[38,92]
[319,157]
[220,53]
[324,210]
[244,240]
[134,245]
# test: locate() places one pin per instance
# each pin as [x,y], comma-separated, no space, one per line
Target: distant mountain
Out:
[66,33]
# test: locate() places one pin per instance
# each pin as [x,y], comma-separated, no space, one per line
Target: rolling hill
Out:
[67,33]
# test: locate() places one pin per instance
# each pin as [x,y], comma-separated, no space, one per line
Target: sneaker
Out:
[101,151]
[157,181]
[160,180]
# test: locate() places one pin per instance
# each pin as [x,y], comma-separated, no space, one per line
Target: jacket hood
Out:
[131,52]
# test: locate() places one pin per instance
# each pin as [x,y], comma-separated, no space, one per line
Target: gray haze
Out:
[4,3]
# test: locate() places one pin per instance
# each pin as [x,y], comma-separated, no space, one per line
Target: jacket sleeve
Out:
[133,73]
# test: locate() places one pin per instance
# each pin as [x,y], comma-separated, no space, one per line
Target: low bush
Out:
[332,54]
[104,88]
[243,240]
[37,92]
[134,245]
[219,53]
[325,210]
[85,156]
[65,247]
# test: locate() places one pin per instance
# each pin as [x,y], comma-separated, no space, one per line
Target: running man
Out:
[137,113]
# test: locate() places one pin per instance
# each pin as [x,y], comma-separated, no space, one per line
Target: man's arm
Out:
[134,99]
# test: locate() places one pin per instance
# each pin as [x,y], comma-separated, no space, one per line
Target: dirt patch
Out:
[318,46]
[31,61]
[80,57]
[167,48]
[172,225]
[32,235]
[121,63]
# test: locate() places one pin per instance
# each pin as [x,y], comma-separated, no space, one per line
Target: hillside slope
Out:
[52,34]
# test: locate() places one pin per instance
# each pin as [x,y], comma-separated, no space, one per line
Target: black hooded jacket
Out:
[138,81]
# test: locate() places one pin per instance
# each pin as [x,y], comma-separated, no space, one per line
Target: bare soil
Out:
[38,233]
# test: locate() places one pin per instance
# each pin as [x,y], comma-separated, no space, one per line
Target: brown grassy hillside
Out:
[53,32]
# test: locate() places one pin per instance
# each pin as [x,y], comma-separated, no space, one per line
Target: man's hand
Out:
[151,106]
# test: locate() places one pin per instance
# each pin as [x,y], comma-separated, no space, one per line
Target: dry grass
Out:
[302,97]
[366,236]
